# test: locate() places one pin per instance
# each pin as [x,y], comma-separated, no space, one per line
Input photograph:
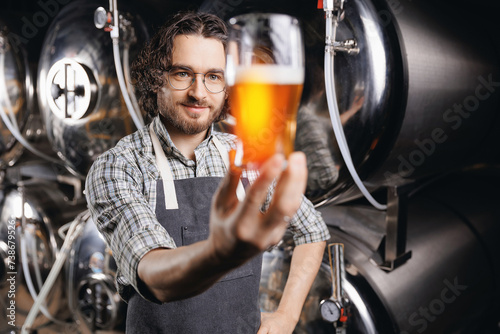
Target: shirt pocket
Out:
[191,234]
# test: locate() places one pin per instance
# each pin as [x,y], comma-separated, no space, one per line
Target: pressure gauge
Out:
[100,17]
[330,310]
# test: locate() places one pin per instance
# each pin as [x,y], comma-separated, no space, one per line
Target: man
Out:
[188,260]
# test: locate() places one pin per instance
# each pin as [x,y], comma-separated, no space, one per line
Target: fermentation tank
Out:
[416,99]
[90,271]
[450,283]
[16,95]
[83,115]
[416,86]
[78,91]
[33,208]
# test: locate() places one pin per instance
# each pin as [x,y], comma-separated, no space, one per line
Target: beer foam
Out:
[270,74]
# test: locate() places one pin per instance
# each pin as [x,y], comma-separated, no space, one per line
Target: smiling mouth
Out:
[195,108]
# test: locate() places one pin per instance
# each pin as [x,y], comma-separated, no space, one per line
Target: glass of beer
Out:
[265,76]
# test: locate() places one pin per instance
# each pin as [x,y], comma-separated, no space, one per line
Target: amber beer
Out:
[264,100]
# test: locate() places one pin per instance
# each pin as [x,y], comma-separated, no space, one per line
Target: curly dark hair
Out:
[153,61]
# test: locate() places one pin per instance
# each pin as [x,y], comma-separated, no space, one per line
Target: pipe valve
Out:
[103,19]
[349,45]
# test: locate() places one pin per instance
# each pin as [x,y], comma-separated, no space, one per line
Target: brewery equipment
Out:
[16,95]
[90,273]
[32,209]
[22,129]
[452,232]
[413,129]
[412,93]
[38,199]
[78,91]
[415,103]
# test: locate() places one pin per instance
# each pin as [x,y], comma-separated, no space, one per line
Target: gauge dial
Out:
[330,310]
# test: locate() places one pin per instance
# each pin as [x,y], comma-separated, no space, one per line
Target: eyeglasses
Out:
[182,78]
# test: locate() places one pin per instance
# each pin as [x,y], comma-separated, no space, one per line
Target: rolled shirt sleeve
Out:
[307,225]
[115,194]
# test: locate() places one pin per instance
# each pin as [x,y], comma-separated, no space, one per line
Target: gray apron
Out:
[231,305]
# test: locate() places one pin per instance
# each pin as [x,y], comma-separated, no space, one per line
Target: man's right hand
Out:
[239,230]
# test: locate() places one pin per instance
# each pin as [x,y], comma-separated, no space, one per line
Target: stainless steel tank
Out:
[448,286]
[418,99]
[430,99]
[78,91]
[16,95]
[32,209]
[90,274]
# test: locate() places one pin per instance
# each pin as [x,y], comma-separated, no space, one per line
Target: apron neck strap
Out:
[166,172]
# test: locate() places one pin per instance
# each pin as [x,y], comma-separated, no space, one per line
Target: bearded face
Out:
[193,110]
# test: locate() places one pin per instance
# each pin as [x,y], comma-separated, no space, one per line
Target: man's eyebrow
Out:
[180,66]
[186,67]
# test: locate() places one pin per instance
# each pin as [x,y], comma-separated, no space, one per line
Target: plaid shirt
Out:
[121,195]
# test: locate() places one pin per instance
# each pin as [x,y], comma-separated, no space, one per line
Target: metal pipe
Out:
[331,28]
[115,33]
